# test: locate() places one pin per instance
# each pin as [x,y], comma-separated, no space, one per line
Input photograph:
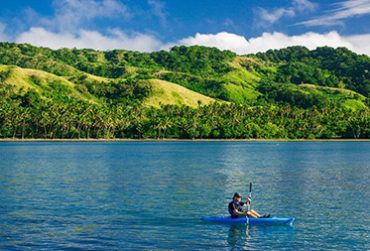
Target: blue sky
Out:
[244,26]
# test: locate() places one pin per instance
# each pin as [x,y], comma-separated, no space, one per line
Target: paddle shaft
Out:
[250,195]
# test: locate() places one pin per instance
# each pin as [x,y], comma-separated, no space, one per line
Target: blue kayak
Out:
[252,221]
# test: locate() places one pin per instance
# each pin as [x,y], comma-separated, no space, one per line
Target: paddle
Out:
[250,195]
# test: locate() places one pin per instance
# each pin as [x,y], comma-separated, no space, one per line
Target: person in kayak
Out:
[236,208]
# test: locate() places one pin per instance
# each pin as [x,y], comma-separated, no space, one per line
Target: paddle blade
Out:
[250,187]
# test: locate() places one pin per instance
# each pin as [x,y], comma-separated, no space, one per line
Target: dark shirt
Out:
[235,206]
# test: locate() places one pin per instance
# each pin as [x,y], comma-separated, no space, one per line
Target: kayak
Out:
[274,220]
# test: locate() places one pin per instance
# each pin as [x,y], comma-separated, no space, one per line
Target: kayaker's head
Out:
[237,197]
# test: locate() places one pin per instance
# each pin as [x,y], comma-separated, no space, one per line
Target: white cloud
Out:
[361,43]
[222,40]
[67,27]
[269,17]
[342,10]
[116,39]
[277,40]
[304,5]
[72,14]
[310,40]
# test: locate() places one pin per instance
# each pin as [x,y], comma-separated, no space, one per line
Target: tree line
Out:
[23,117]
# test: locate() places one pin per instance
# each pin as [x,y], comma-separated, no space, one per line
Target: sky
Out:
[243,26]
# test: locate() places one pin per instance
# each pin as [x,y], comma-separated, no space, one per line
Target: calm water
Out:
[134,196]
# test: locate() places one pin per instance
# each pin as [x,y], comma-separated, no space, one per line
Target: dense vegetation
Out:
[289,93]
[324,66]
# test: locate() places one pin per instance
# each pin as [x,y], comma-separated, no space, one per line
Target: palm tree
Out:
[163,124]
[25,116]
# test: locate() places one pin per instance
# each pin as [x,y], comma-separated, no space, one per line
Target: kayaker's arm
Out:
[237,211]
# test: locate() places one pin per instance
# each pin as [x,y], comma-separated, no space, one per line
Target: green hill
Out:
[167,93]
[46,85]
[53,87]
[209,71]
[187,92]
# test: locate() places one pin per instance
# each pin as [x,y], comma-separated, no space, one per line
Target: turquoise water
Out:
[135,196]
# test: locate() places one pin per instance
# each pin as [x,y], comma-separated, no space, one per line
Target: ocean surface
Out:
[152,195]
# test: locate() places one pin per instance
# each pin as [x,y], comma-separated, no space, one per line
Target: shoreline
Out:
[183,140]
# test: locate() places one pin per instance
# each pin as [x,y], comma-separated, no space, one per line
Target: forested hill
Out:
[187,92]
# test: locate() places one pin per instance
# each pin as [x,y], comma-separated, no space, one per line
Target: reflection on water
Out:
[238,235]
[136,196]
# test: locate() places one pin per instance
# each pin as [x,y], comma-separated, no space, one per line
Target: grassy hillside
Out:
[167,93]
[348,98]
[46,85]
[187,92]
[50,86]
[218,74]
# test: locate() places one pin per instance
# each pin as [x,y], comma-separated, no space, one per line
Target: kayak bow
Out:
[251,221]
